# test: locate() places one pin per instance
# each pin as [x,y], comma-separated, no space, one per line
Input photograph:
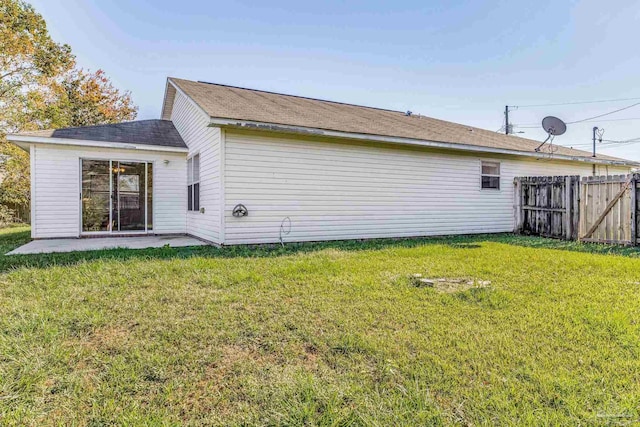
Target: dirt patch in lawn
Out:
[446,284]
[106,339]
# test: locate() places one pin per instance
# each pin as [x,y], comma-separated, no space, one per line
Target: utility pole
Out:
[595,129]
[506,120]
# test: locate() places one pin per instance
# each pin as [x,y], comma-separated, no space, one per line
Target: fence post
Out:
[634,210]
[517,205]
[568,218]
[575,188]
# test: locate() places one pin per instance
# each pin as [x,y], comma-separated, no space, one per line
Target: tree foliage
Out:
[14,167]
[90,98]
[30,61]
[41,88]
[80,98]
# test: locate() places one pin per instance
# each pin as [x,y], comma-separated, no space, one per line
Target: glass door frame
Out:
[111,195]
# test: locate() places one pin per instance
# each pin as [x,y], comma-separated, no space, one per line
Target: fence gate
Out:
[608,207]
[547,206]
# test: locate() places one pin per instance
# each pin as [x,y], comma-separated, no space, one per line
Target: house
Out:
[234,166]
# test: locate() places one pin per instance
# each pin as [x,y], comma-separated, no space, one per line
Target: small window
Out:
[193,183]
[490,175]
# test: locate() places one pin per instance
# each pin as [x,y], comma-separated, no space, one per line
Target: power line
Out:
[528,127]
[596,117]
[628,142]
[576,102]
[605,114]
[536,125]
[610,142]
[620,143]
[587,119]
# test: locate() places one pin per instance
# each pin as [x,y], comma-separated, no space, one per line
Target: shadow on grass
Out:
[11,239]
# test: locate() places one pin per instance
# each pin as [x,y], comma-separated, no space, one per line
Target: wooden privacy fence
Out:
[601,209]
[547,206]
[608,209]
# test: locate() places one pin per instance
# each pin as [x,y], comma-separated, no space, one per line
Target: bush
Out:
[7,216]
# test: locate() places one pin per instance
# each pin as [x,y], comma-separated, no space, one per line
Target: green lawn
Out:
[322,334]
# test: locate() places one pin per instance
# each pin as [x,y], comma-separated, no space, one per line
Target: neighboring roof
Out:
[145,132]
[230,102]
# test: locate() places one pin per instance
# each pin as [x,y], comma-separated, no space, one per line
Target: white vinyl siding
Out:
[192,124]
[56,185]
[332,190]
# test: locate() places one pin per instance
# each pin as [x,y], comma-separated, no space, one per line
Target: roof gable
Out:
[167,102]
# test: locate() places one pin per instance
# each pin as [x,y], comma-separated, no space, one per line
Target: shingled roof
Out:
[146,132]
[230,102]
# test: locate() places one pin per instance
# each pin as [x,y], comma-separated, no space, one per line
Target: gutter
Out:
[300,130]
[30,139]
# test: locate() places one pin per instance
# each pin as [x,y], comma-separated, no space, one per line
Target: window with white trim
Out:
[490,176]
[193,183]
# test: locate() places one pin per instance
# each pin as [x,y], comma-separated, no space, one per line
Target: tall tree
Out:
[29,59]
[40,88]
[29,62]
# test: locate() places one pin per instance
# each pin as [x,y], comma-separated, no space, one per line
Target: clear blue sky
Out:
[456,60]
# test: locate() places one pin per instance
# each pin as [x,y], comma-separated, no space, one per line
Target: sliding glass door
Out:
[116,196]
[96,196]
[130,204]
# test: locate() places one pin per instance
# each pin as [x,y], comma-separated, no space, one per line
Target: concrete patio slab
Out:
[99,243]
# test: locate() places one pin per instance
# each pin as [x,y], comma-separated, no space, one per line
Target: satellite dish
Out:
[553,126]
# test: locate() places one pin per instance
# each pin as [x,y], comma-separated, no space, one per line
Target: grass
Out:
[322,334]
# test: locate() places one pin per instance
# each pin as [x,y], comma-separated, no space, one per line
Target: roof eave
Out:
[275,127]
[20,140]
